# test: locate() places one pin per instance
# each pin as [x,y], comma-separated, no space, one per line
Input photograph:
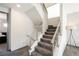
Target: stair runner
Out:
[44,47]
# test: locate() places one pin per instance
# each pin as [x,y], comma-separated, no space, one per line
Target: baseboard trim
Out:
[72,46]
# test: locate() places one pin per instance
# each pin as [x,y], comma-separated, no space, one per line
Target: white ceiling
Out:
[34,15]
[54,11]
[24,6]
[29,9]
[49,4]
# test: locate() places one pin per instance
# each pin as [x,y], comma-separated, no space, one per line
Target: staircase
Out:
[44,47]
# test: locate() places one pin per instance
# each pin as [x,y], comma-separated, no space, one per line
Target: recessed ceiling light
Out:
[18,5]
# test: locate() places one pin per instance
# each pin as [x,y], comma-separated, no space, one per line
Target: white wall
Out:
[54,11]
[71,13]
[45,20]
[53,21]
[44,16]
[58,51]
[35,17]
[65,10]
[21,26]
[73,20]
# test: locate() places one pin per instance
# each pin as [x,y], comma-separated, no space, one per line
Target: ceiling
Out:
[34,15]
[27,8]
[49,4]
[24,6]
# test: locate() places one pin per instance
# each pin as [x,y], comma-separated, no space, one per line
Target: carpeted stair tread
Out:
[51,30]
[34,53]
[46,40]
[50,26]
[49,33]
[45,45]
[43,51]
[47,36]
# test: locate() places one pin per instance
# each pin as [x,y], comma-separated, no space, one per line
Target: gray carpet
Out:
[71,51]
[19,52]
[44,47]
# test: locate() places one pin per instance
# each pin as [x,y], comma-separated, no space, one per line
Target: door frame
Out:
[7,28]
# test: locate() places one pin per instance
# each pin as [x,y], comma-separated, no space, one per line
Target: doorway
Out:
[3,31]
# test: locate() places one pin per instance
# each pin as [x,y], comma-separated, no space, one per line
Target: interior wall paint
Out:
[9,30]
[73,20]
[45,20]
[35,17]
[71,7]
[44,16]
[58,51]
[54,11]
[21,26]
[73,10]
[53,21]
[66,9]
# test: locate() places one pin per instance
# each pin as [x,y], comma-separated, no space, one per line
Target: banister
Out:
[55,35]
[31,39]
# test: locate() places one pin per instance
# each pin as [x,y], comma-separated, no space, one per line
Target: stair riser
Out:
[51,27]
[50,30]
[47,41]
[54,27]
[49,37]
[46,47]
[49,33]
[42,52]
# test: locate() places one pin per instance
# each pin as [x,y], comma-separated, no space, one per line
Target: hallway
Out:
[20,52]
